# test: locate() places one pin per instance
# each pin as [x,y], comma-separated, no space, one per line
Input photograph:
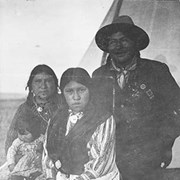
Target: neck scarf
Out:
[123,73]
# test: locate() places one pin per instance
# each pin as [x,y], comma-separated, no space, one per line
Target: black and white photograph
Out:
[90,90]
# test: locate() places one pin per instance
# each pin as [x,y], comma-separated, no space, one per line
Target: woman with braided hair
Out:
[81,136]
[42,102]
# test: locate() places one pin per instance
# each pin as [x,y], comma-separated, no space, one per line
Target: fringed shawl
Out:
[71,149]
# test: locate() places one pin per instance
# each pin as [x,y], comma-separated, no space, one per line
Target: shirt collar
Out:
[74,113]
[130,66]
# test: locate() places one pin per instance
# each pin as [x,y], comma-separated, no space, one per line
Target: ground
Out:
[8,108]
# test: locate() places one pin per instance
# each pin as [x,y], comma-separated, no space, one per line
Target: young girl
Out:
[81,137]
[28,148]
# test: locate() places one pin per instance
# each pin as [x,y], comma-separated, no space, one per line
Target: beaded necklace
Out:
[39,111]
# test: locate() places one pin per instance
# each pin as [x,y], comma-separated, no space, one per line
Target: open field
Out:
[8,108]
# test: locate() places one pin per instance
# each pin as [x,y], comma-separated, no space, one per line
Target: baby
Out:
[25,154]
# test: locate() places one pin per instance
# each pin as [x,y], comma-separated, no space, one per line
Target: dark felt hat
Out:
[125,25]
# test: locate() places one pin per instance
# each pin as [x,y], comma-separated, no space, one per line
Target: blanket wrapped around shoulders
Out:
[71,149]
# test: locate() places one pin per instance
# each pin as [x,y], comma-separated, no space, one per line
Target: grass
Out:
[8,108]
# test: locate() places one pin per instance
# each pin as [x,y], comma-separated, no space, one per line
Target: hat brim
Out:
[138,35]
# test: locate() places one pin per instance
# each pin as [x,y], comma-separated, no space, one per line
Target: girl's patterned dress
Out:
[101,165]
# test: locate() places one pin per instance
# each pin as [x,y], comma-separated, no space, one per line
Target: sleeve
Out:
[12,133]
[170,127]
[101,153]
[12,151]
[104,88]
[168,87]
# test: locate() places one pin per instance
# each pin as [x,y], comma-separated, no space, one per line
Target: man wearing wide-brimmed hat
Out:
[144,98]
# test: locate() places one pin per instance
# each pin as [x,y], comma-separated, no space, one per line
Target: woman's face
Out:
[76,95]
[43,86]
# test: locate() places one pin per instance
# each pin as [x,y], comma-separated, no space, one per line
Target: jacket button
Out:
[143,86]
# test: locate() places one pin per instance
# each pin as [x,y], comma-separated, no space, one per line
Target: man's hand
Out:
[11,167]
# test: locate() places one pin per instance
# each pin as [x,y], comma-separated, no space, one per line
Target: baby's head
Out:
[27,131]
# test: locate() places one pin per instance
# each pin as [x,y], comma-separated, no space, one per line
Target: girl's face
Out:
[76,95]
[26,136]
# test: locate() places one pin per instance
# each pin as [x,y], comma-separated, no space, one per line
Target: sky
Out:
[59,32]
[52,32]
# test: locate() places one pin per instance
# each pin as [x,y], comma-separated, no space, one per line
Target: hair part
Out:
[78,75]
[41,68]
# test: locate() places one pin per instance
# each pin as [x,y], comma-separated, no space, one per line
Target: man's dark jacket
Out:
[147,115]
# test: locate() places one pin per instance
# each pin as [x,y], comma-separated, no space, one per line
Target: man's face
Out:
[43,86]
[76,95]
[121,49]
